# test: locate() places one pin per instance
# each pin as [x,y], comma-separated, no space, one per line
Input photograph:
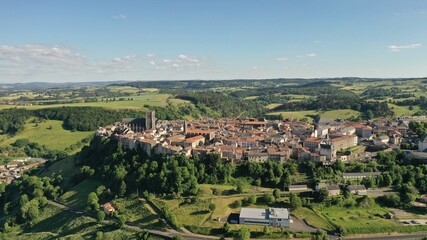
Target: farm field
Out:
[137,102]
[56,138]
[343,113]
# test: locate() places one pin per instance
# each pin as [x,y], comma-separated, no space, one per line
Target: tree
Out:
[266,230]
[367,202]
[268,198]
[408,193]
[226,227]
[240,186]
[320,235]
[212,207]
[122,189]
[323,195]
[92,201]
[100,216]
[178,238]
[390,199]
[252,199]
[30,210]
[23,200]
[99,235]
[144,235]
[276,193]
[242,234]
[294,201]
[236,204]
[120,221]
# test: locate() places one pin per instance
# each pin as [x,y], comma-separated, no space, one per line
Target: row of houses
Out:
[14,169]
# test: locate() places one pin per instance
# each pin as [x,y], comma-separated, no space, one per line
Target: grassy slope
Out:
[312,218]
[55,223]
[77,196]
[64,167]
[57,138]
[137,213]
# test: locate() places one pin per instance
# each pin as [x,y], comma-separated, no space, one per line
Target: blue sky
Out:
[60,41]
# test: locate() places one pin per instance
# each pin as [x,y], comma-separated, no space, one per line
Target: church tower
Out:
[150,119]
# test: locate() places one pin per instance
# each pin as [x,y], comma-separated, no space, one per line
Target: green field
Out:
[356,218]
[403,110]
[65,167]
[76,197]
[56,223]
[137,102]
[343,113]
[312,218]
[137,212]
[297,114]
[56,138]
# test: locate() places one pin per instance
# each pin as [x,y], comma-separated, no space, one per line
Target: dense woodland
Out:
[178,175]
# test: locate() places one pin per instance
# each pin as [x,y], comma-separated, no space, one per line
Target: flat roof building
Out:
[277,217]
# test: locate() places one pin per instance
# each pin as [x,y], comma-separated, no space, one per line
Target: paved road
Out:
[391,237]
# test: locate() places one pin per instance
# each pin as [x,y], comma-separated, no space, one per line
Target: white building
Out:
[277,217]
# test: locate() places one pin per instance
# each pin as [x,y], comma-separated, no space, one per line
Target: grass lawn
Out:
[403,110]
[56,138]
[273,105]
[135,212]
[76,197]
[138,102]
[342,113]
[296,114]
[64,167]
[357,218]
[312,218]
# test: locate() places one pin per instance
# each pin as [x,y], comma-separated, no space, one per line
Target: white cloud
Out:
[188,59]
[281,59]
[308,55]
[126,58]
[42,59]
[398,48]
[56,63]
[181,61]
[254,68]
[119,17]
[316,41]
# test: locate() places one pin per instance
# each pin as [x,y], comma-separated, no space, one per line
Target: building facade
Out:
[276,217]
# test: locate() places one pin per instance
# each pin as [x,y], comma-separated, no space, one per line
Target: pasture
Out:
[49,133]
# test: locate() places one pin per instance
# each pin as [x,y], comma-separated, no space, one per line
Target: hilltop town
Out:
[260,140]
